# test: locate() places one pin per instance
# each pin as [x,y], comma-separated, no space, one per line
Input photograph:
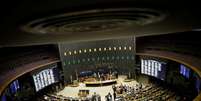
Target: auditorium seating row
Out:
[54,97]
[152,93]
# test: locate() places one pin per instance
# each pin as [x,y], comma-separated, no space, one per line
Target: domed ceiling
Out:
[30,22]
[94,20]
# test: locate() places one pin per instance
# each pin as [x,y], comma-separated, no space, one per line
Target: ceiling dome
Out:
[94,20]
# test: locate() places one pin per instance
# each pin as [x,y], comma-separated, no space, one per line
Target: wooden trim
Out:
[14,74]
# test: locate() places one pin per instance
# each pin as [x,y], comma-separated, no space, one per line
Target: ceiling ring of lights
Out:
[94,20]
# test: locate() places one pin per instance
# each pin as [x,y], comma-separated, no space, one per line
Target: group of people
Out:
[99,76]
[107,76]
[96,97]
[122,89]
[125,88]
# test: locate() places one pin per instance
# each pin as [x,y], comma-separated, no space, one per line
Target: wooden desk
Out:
[100,83]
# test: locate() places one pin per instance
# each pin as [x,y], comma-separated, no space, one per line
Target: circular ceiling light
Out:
[93,20]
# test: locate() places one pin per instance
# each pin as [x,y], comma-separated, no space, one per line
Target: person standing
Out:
[116,74]
[96,97]
[110,96]
[95,75]
[114,88]
[99,77]
[106,98]
[114,95]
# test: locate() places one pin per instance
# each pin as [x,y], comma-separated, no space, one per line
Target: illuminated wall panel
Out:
[153,68]
[45,77]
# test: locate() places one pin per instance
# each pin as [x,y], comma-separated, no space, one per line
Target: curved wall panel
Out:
[10,76]
[190,61]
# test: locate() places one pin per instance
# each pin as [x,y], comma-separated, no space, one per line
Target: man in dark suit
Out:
[114,95]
